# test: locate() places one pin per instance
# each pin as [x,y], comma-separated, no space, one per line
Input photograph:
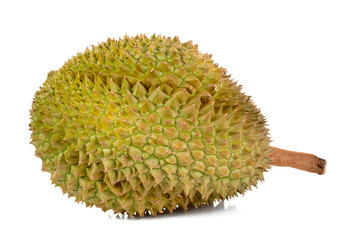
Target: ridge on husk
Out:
[145,124]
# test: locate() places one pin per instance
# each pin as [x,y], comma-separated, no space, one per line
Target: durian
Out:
[145,125]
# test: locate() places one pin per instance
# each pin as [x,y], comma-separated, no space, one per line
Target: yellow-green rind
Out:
[143,124]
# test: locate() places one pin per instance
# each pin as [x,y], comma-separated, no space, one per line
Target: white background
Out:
[290,56]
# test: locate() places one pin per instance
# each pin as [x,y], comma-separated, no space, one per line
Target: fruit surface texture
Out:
[145,125]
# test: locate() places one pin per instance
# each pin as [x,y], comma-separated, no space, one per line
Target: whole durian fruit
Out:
[143,124]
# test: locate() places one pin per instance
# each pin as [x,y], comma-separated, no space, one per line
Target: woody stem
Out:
[303,161]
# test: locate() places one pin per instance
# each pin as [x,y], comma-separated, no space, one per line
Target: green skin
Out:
[146,124]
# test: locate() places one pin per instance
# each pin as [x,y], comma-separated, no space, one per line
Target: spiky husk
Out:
[146,124]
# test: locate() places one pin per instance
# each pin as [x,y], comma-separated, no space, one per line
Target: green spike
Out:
[139,91]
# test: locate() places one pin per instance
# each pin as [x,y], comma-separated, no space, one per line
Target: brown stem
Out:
[303,161]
